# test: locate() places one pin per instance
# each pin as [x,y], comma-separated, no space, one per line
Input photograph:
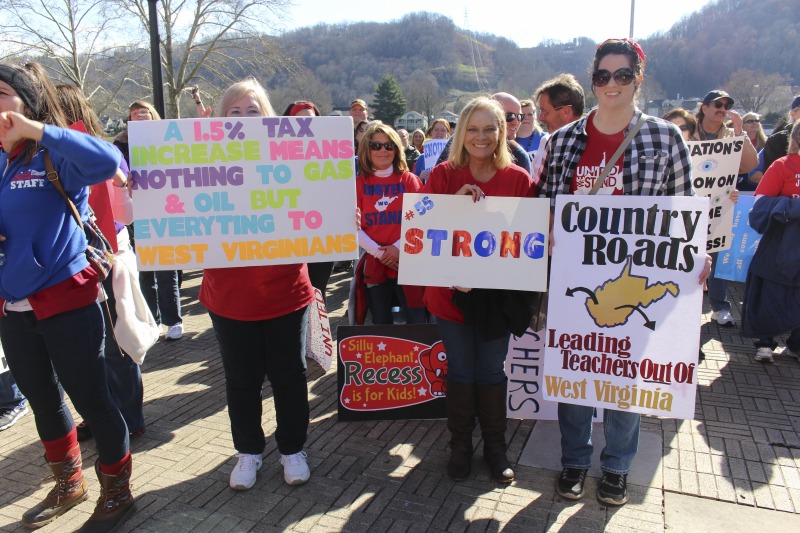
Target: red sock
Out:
[56,450]
[113,470]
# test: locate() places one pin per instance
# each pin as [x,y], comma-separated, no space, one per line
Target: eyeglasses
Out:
[623,76]
[140,114]
[684,127]
[544,112]
[376,146]
[752,121]
[511,117]
[727,105]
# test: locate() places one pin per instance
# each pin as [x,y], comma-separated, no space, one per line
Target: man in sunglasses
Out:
[560,101]
[513,110]
[717,107]
[778,143]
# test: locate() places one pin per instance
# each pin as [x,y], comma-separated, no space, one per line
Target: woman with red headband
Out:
[572,152]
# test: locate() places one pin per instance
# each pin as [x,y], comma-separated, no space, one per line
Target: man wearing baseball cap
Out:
[778,143]
[358,110]
[717,106]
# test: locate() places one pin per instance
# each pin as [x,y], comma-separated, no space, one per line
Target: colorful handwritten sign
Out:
[243,191]
[496,243]
[715,166]
[734,263]
[622,322]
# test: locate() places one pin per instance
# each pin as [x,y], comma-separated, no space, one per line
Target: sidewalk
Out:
[736,466]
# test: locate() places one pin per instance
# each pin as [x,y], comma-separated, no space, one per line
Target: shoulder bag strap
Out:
[52,177]
[610,163]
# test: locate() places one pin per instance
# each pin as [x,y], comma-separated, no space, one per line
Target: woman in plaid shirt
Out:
[655,163]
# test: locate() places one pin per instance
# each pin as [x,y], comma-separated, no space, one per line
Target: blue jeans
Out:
[622,438]
[10,396]
[160,290]
[274,348]
[717,289]
[380,303]
[470,358]
[67,350]
[123,375]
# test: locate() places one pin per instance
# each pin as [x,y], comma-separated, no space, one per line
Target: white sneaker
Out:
[243,476]
[764,354]
[723,318]
[295,468]
[174,332]
[789,353]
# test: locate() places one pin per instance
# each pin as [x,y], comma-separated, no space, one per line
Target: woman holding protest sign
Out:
[52,331]
[440,129]
[259,315]
[771,297]
[382,180]
[479,165]
[653,160]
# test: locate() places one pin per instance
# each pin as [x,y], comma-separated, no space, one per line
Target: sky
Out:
[528,24]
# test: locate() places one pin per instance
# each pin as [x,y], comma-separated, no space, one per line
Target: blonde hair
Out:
[243,88]
[141,104]
[364,162]
[459,157]
[761,137]
[794,138]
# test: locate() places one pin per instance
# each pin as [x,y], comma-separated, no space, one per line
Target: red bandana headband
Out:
[299,106]
[630,42]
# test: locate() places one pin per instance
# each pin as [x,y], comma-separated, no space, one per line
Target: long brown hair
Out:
[76,109]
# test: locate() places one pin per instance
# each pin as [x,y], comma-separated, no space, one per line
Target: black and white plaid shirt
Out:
[656,163]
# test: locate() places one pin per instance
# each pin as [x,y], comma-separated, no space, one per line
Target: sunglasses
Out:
[752,121]
[719,105]
[684,127]
[511,117]
[623,76]
[376,146]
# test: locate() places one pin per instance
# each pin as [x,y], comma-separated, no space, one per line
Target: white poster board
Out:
[496,243]
[623,321]
[715,166]
[433,149]
[319,340]
[243,191]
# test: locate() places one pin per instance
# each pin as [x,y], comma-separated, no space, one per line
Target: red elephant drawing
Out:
[434,361]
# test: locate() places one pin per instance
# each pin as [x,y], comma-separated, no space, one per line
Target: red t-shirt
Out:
[512,181]
[782,178]
[256,292]
[599,147]
[381,203]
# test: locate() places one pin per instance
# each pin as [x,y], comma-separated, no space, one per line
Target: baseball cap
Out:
[358,101]
[715,95]
[796,102]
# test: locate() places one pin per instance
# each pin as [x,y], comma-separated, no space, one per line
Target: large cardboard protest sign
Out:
[496,243]
[319,340]
[243,191]
[715,166]
[734,263]
[399,372]
[623,327]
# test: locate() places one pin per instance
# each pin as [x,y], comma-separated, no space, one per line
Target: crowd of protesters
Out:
[58,312]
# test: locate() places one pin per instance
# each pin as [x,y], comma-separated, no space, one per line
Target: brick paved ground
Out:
[743,447]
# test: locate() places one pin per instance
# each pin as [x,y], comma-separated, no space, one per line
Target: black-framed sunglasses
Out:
[719,105]
[376,146]
[510,117]
[684,127]
[623,76]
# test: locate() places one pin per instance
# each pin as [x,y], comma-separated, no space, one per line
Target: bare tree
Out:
[302,86]
[423,94]
[73,39]
[210,41]
[753,90]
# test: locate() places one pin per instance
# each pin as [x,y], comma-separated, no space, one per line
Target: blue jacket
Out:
[44,245]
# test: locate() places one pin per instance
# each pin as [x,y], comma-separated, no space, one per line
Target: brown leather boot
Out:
[70,490]
[492,416]
[460,402]
[115,503]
